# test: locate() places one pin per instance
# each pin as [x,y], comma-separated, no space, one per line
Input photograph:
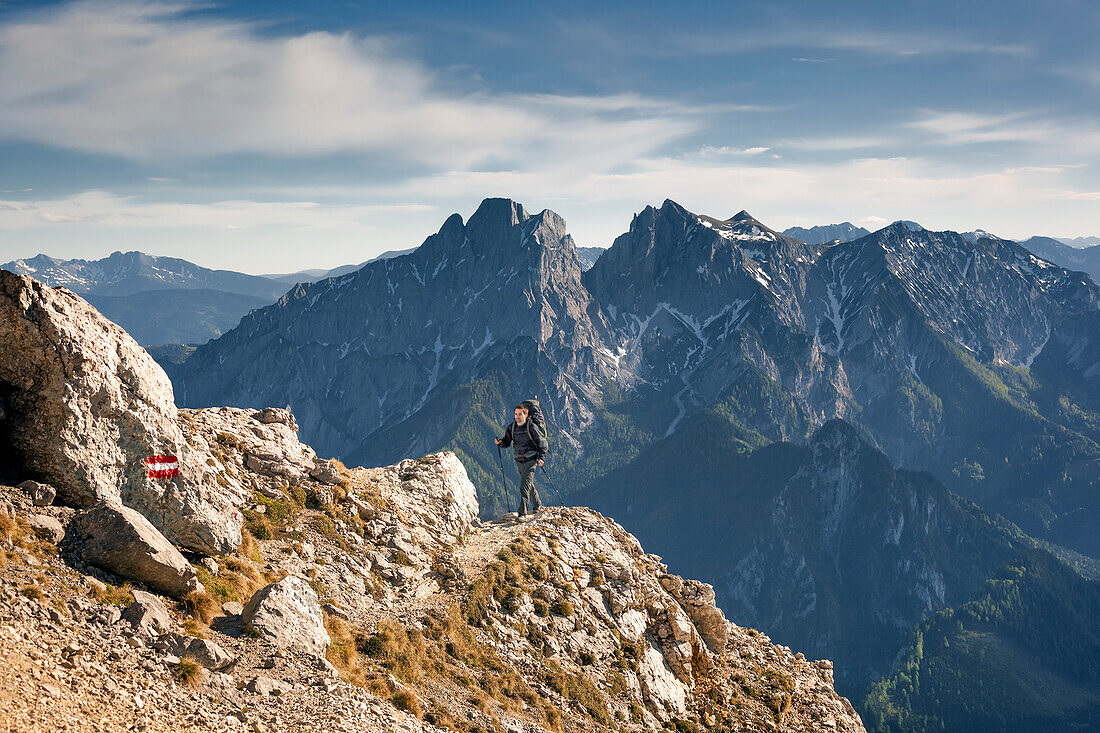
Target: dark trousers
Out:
[528,494]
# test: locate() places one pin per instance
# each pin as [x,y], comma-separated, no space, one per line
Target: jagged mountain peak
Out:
[500,209]
[670,206]
[977,234]
[907,225]
[497,228]
[826,234]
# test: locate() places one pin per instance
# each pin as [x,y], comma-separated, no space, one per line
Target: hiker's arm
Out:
[506,439]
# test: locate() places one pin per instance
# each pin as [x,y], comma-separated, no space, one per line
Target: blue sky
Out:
[276,136]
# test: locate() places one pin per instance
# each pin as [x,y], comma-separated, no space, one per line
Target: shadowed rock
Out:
[119,539]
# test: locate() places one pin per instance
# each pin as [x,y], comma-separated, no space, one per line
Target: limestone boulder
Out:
[261,685]
[436,493]
[147,616]
[85,405]
[207,653]
[119,539]
[47,528]
[326,471]
[288,614]
[39,493]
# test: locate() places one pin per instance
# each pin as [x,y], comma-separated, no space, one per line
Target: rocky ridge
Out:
[370,599]
[558,624]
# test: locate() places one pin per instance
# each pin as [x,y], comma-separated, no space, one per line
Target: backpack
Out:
[534,414]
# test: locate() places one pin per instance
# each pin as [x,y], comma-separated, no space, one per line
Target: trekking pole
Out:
[500,460]
[561,502]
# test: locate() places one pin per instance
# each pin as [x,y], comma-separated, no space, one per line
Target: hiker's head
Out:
[521,414]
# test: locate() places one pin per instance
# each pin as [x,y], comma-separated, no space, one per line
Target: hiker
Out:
[529,446]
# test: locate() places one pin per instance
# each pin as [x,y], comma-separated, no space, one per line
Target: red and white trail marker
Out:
[162,466]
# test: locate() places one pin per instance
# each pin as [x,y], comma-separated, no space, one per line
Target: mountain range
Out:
[127,273]
[976,361]
[167,301]
[158,300]
[1086,259]
[844,232]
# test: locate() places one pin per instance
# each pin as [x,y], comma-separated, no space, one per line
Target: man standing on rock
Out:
[529,446]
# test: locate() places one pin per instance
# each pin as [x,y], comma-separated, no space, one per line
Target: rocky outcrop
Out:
[247,442]
[147,616]
[85,406]
[288,614]
[39,493]
[433,611]
[119,539]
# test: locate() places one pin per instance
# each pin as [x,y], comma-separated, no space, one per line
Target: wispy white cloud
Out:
[1072,136]
[880,42]
[106,209]
[1079,195]
[888,43]
[712,151]
[147,81]
[832,143]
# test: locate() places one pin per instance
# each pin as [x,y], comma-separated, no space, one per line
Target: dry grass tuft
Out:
[238,579]
[407,701]
[16,534]
[114,595]
[249,548]
[201,607]
[446,651]
[188,672]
